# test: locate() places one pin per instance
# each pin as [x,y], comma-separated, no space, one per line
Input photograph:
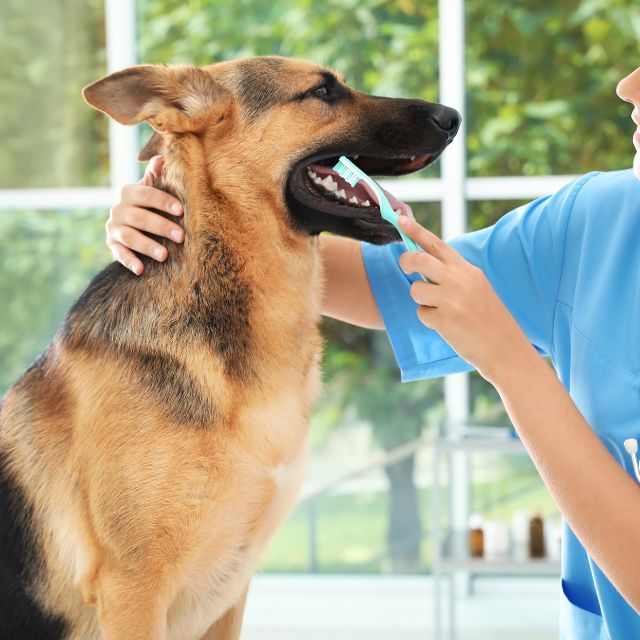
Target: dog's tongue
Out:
[398,206]
[362,190]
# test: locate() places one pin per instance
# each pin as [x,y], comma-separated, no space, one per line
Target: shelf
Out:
[499,444]
[455,556]
[452,556]
[478,566]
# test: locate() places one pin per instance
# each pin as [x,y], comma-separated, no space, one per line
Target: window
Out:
[537,90]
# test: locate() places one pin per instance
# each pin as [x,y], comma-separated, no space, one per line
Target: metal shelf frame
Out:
[453,556]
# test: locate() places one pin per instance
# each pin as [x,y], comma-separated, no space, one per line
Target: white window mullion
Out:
[56,199]
[120,19]
[454,222]
[514,187]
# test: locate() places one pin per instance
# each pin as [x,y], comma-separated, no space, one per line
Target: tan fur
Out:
[160,440]
[156,522]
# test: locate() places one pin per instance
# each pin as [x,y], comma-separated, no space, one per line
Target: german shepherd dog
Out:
[151,451]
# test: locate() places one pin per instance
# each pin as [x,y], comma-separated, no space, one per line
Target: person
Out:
[558,277]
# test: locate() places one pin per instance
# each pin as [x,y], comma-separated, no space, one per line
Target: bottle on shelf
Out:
[476,536]
[536,536]
[496,540]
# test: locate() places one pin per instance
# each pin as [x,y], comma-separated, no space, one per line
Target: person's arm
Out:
[598,499]
[347,294]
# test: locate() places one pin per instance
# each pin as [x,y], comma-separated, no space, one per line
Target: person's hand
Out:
[131,215]
[461,305]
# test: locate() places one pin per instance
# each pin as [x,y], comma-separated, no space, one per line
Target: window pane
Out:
[485,406]
[386,48]
[506,483]
[48,51]
[541,81]
[48,258]
[379,521]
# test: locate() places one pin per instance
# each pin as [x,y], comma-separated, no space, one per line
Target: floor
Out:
[396,608]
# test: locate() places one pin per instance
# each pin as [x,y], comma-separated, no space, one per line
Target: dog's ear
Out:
[171,99]
[152,148]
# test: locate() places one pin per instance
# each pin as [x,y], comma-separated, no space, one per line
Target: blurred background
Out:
[536,84]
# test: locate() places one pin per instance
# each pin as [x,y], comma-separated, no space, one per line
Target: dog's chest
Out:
[264,496]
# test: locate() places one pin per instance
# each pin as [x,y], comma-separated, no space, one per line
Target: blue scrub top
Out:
[567,267]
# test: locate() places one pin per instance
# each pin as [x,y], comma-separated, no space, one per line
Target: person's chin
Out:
[636,165]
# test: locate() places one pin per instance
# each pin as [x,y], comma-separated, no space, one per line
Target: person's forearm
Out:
[347,293]
[599,500]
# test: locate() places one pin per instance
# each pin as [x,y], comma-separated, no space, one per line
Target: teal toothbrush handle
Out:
[409,243]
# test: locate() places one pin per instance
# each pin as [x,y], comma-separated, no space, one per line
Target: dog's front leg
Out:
[228,627]
[130,610]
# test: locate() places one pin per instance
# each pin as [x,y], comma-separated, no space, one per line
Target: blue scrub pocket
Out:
[577,623]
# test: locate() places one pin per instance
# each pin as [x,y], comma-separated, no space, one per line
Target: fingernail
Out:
[134,268]
[176,234]
[158,253]
[175,208]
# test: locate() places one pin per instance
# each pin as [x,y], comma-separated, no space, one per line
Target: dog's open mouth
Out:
[314,189]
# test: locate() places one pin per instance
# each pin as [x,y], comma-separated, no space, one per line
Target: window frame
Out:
[453,190]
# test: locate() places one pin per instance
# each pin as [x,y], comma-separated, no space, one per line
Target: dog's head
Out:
[280,124]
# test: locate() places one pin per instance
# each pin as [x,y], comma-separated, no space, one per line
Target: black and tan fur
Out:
[148,455]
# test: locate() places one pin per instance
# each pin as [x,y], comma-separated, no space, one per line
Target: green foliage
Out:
[361,377]
[383,46]
[49,49]
[352,527]
[541,83]
[541,100]
[47,259]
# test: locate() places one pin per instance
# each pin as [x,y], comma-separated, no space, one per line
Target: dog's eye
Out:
[321,92]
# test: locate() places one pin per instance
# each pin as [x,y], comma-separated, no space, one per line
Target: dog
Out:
[151,451]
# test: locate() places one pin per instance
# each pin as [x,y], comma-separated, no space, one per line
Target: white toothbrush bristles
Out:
[347,174]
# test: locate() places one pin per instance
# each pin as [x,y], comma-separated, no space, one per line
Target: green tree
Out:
[540,79]
[49,49]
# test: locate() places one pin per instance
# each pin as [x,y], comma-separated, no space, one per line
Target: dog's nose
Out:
[448,120]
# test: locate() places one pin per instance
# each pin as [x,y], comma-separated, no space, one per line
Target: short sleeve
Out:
[522,256]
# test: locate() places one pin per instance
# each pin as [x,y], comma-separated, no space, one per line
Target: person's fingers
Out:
[427,240]
[155,165]
[152,171]
[146,220]
[127,258]
[141,195]
[426,294]
[423,263]
[430,316]
[133,239]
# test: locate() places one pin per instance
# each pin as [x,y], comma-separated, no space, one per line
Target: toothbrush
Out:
[352,174]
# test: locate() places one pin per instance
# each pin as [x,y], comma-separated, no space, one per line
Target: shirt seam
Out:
[426,365]
[576,190]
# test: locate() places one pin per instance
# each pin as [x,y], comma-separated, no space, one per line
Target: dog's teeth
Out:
[354,200]
[366,203]
[355,157]
[412,158]
[329,184]
[341,194]
[313,174]
[317,180]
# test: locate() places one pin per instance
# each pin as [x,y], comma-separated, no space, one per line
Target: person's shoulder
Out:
[613,189]
[606,204]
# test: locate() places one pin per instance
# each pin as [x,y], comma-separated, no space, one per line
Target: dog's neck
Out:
[221,205]
[239,262]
